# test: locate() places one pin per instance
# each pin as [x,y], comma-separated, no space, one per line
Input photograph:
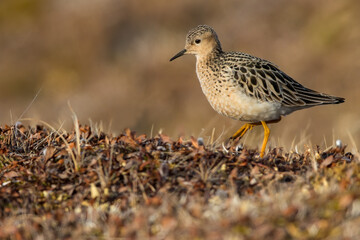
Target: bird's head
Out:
[200,41]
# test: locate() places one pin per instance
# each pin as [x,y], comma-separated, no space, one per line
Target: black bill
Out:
[182,52]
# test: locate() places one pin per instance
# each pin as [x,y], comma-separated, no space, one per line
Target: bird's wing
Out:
[263,80]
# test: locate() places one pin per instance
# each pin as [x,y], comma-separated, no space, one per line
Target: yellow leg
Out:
[249,126]
[266,137]
[244,129]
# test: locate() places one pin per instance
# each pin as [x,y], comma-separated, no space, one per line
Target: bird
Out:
[244,87]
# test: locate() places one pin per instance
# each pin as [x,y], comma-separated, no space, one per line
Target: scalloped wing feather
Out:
[262,79]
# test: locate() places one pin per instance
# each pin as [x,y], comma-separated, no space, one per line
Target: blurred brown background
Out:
[110,59]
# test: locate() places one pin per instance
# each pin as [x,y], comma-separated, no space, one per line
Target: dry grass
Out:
[131,186]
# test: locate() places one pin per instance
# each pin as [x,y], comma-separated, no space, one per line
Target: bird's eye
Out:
[197,41]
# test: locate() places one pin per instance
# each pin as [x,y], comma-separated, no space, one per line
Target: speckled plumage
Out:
[245,87]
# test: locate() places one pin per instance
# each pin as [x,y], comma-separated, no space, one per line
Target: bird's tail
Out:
[313,98]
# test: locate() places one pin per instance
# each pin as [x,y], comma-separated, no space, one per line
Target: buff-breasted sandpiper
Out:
[244,87]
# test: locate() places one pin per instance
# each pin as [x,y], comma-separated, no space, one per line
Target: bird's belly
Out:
[239,106]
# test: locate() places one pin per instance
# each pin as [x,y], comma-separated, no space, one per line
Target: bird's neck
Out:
[214,54]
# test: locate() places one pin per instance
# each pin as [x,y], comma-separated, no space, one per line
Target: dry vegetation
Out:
[87,184]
